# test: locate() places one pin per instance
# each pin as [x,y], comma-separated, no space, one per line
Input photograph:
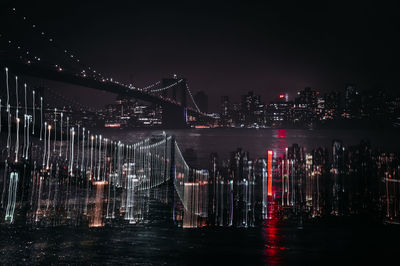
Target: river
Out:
[157,240]
[257,141]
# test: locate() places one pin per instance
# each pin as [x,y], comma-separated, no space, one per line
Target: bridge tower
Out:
[175,116]
[176,92]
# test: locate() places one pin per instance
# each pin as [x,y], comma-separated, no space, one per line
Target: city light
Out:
[190,150]
[269,164]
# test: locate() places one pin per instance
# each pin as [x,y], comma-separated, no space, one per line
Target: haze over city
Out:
[199,133]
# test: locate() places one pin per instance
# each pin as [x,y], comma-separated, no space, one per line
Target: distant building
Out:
[277,113]
[305,106]
[352,102]
[250,103]
[333,106]
[226,111]
[225,106]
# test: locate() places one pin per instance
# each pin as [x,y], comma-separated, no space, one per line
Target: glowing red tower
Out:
[269,164]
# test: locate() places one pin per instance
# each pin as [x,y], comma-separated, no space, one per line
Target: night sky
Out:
[228,48]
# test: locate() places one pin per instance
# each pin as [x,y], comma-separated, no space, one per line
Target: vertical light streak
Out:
[98,211]
[283,180]
[27,137]
[39,199]
[33,112]
[44,145]
[105,160]
[72,149]
[66,152]
[12,196]
[78,146]
[8,115]
[9,130]
[49,185]
[61,133]
[98,172]
[26,102]
[109,182]
[41,117]
[269,164]
[83,149]
[17,142]
[287,183]
[16,97]
[8,92]
[55,130]
[17,120]
[24,146]
[91,158]
[95,158]
[87,151]
[48,148]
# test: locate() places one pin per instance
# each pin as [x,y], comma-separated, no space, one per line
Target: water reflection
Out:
[274,248]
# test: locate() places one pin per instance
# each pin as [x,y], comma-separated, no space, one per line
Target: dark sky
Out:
[230,47]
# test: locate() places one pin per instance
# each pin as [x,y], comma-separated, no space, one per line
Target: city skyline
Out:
[199,133]
[272,50]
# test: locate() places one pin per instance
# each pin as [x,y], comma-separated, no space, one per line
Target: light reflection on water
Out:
[224,141]
[155,239]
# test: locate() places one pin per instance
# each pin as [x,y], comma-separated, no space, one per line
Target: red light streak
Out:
[269,164]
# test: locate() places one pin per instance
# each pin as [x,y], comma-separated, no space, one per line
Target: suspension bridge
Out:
[53,168]
[172,94]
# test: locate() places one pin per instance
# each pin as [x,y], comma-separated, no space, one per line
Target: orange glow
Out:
[98,210]
[112,125]
[281,96]
[269,186]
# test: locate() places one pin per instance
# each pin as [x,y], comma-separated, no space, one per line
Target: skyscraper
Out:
[249,105]
[352,102]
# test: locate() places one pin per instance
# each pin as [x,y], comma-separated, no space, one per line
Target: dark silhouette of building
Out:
[201,100]
[352,102]
[249,105]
